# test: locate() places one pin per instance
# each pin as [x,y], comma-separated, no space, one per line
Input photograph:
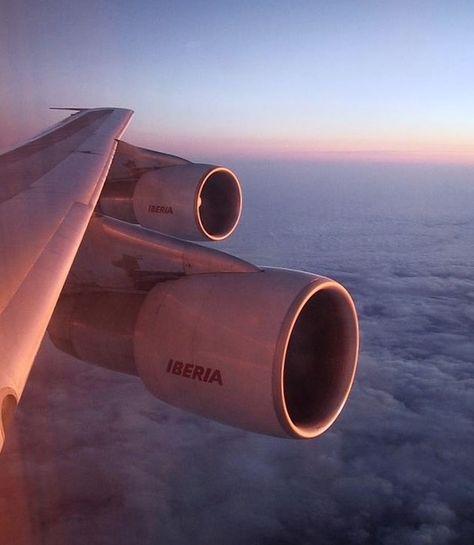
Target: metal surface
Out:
[98,328]
[129,165]
[172,196]
[262,334]
[194,202]
[273,351]
[49,188]
[119,255]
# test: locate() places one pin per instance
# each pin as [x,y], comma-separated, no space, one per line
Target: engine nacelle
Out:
[273,352]
[190,201]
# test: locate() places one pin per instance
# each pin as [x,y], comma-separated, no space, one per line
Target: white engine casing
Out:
[193,201]
[281,348]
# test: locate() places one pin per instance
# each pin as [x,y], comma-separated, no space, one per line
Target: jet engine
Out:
[273,351]
[173,196]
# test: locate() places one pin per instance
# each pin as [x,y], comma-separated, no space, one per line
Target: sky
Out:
[371,81]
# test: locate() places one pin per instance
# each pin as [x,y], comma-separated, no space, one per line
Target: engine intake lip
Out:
[316,359]
[218,203]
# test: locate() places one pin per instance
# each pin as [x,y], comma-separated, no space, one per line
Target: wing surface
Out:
[49,187]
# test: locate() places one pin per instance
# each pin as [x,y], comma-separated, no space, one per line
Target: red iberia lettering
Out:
[188,370]
[194,372]
[158,209]
[197,372]
[177,367]
[216,377]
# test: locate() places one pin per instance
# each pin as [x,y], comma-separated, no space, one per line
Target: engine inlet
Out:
[320,360]
[219,204]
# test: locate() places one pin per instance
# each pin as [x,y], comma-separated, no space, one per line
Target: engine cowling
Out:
[273,351]
[191,201]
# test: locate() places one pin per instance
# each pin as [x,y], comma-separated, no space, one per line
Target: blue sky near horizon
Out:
[370,80]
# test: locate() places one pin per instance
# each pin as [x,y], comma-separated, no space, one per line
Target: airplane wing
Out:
[49,187]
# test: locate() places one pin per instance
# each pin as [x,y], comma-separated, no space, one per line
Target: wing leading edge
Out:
[49,187]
